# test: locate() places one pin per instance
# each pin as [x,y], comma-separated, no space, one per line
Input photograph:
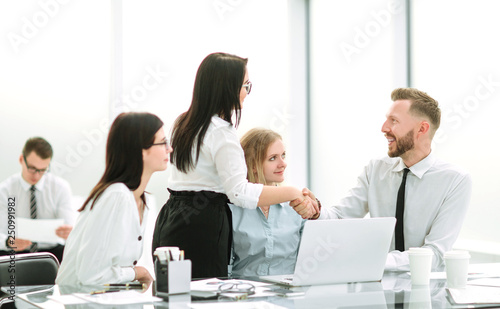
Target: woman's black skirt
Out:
[200,224]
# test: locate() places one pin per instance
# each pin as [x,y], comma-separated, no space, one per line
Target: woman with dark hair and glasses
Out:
[108,237]
[209,170]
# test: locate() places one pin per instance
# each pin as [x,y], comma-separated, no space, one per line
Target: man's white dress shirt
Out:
[437,196]
[53,200]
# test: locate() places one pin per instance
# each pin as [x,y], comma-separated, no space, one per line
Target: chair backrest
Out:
[28,268]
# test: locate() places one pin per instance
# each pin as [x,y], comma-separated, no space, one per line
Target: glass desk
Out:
[394,291]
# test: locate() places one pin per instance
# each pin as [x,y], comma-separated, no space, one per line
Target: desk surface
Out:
[395,288]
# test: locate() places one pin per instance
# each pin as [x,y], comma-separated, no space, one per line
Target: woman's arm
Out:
[274,195]
[231,167]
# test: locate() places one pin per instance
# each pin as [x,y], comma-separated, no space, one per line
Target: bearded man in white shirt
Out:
[437,193]
[51,193]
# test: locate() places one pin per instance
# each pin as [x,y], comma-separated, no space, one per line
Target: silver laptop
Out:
[340,251]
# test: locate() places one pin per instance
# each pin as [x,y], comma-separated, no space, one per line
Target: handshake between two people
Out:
[307,206]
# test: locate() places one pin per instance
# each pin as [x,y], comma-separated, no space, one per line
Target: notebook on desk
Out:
[340,251]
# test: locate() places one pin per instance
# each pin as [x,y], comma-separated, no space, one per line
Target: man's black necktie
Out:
[33,214]
[400,210]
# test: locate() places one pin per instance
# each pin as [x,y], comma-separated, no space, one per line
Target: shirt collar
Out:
[39,185]
[218,120]
[418,169]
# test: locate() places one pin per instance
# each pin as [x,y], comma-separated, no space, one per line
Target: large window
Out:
[353,71]
[455,47]
[54,83]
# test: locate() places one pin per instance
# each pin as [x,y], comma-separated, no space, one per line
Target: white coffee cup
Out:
[457,268]
[420,265]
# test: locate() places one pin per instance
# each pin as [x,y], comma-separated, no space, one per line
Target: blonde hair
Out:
[422,105]
[255,144]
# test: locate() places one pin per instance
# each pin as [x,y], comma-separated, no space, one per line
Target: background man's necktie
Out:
[33,215]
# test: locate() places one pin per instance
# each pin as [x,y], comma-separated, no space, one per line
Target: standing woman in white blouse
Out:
[209,170]
[107,240]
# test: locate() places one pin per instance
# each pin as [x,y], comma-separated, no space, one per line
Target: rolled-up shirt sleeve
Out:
[231,167]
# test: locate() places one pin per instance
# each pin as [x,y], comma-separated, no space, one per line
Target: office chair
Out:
[30,269]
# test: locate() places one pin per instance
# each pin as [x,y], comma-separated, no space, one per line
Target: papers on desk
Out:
[475,295]
[236,305]
[39,230]
[494,282]
[441,275]
[118,298]
[67,299]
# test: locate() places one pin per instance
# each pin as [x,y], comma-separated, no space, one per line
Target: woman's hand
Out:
[142,275]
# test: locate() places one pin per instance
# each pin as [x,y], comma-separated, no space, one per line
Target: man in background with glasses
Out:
[36,194]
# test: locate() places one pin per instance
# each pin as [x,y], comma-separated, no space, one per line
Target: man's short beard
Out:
[403,145]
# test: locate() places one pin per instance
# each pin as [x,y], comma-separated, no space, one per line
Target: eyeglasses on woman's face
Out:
[248,86]
[166,143]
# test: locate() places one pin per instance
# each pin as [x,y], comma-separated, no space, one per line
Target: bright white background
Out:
[456,47]
[68,67]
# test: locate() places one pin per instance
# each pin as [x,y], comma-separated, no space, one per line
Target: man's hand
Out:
[315,202]
[308,196]
[304,207]
[63,231]
[19,244]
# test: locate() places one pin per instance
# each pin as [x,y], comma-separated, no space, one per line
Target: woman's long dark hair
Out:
[216,92]
[130,133]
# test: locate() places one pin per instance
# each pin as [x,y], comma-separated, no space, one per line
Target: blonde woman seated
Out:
[266,239]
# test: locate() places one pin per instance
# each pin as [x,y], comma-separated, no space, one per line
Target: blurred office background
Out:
[322,71]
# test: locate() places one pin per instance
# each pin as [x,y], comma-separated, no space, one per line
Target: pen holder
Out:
[172,277]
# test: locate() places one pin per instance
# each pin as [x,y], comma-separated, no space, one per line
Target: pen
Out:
[126,285]
[103,291]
